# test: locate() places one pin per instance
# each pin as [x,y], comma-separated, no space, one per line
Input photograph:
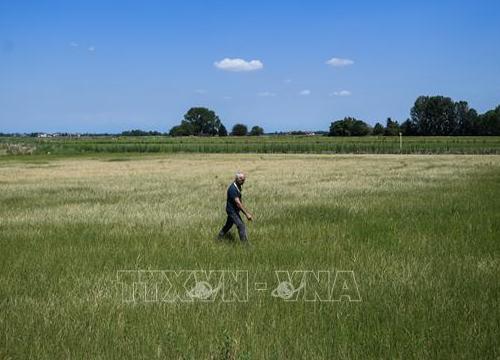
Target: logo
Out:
[173,286]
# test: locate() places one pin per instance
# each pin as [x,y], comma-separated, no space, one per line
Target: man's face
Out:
[240,180]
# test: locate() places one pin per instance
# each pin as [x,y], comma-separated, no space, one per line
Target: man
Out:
[233,207]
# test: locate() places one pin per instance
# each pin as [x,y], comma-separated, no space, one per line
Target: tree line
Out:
[200,121]
[429,116]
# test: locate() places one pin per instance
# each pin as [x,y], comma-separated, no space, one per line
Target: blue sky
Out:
[108,66]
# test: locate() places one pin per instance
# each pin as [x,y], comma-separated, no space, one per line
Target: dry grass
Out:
[420,232]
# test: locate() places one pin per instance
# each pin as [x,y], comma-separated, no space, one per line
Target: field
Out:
[418,233]
[254,144]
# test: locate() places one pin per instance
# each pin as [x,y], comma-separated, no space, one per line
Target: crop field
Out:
[254,144]
[383,256]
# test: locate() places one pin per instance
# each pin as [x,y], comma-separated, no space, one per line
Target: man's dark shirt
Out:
[232,193]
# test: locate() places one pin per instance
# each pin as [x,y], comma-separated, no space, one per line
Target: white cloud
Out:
[338,62]
[238,65]
[91,48]
[341,93]
[73,44]
[266,93]
[305,92]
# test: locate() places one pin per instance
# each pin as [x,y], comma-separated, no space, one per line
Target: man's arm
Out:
[245,211]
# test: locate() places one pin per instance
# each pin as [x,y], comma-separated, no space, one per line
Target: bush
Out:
[257,131]
[239,130]
[349,127]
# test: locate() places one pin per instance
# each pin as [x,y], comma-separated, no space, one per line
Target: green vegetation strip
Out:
[263,144]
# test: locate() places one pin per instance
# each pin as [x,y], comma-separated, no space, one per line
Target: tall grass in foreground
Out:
[420,233]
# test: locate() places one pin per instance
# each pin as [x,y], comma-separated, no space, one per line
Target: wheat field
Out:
[419,234]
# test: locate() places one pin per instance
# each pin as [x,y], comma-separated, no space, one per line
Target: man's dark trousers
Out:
[234,218]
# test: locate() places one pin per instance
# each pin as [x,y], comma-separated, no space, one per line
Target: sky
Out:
[109,66]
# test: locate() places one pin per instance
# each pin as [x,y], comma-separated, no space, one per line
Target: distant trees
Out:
[256,131]
[434,115]
[184,129]
[138,132]
[408,128]
[222,130]
[349,126]
[430,116]
[378,129]
[199,121]
[438,115]
[391,128]
[488,123]
[239,130]
[465,118]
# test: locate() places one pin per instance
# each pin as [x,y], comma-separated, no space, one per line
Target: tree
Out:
[222,130]
[239,130]
[378,129]
[489,123]
[434,115]
[184,129]
[470,123]
[198,121]
[391,128]
[349,127]
[465,119]
[256,131]
[438,115]
[408,128]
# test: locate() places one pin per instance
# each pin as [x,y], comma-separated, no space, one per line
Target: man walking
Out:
[233,207]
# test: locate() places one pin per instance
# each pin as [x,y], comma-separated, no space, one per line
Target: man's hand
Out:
[240,206]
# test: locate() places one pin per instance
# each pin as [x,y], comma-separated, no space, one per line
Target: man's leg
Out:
[241,227]
[226,227]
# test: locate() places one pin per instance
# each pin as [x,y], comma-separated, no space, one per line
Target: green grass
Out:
[264,144]
[419,232]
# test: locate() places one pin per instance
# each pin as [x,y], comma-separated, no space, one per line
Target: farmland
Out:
[260,144]
[419,232]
